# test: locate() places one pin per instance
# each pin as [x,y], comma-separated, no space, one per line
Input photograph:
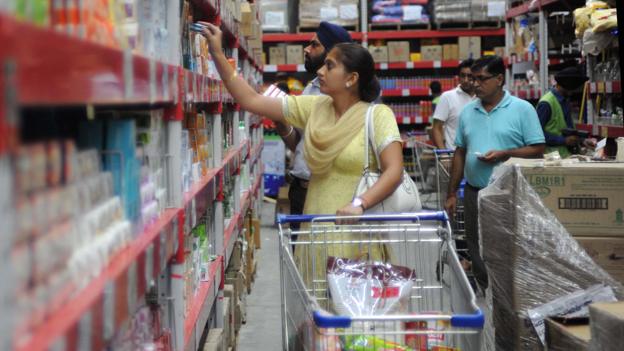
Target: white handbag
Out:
[405,198]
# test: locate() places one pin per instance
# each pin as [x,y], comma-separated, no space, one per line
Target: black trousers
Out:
[471,217]
[296,196]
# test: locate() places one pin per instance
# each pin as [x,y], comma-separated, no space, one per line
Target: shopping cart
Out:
[441,303]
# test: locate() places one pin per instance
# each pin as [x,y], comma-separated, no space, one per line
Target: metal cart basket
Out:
[441,311]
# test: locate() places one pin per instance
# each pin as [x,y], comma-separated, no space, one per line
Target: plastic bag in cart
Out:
[365,288]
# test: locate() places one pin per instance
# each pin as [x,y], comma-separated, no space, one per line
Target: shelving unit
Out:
[43,68]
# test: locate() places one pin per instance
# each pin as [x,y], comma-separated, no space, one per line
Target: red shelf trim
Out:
[63,319]
[405,92]
[200,299]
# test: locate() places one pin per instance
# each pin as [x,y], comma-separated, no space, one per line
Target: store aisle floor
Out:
[263,330]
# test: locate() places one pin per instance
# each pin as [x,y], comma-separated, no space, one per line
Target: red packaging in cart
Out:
[431,341]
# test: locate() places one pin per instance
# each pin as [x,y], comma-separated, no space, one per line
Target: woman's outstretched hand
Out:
[214,36]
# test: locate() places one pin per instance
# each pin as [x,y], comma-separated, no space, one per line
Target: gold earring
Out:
[348,85]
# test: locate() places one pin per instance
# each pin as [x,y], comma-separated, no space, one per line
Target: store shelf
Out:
[204,297]
[159,238]
[74,71]
[528,7]
[425,34]
[412,120]
[256,153]
[405,92]
[298,37]
[284,68]
[417,65]
[612,87]
[527,94]
[533,58]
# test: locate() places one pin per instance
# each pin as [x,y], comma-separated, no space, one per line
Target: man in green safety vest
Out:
[553,111]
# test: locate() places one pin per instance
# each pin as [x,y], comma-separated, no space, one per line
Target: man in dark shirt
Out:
[554,114]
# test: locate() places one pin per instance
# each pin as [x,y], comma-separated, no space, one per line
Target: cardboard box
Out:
[379,53]
[398,51]
[214,341]
[228,322]
[229,303]
[431,52]
[561,337]
[607,326]
[469,47]
[255,227]
[236,258]
[277,55]
[499,51]
[237,279]
[450,52]
[585,197]
[607,252]
[294,54]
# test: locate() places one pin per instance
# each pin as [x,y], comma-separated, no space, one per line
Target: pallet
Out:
[312,29]
[398,26]
[471,25]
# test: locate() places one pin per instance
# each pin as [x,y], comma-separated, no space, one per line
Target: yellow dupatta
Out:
[326,135]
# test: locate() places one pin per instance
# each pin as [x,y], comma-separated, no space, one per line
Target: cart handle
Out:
[444,151]
[475,320]
[415,216]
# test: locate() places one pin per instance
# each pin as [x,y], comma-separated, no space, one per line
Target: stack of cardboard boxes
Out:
[530,257]
[430,50]
[251,29]
[605,331]
[239,277]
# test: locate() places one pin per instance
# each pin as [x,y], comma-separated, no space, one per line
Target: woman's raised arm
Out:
[243,94]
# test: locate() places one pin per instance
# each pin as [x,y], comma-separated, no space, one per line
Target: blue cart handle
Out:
[444,151]
[476,320]
[416,216]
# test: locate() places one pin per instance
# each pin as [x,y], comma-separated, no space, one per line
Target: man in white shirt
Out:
[452,102]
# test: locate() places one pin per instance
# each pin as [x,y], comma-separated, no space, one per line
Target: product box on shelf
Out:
[398,51]
[275,13]
[469,47]
[607,324]
[340,12]
[431,52]
[294,54]
[255,222]
[229,303]
[607,252]
[561,337]
[215,340]
[277,55]
[450,52]
[379,53]
[585,197]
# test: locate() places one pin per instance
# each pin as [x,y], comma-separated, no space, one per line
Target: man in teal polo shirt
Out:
[492,128]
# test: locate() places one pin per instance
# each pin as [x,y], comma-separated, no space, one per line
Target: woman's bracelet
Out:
[234,75]
[292,129]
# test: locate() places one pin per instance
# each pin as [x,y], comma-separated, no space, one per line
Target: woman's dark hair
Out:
[356,58]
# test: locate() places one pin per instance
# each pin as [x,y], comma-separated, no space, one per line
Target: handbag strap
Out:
[369,132]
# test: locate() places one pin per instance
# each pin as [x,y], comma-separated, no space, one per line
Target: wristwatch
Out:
[357,202]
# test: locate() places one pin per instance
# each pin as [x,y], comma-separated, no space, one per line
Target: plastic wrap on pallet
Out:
[274,15]
[530,257]
[465,11]
[340,12]
[399,12]
[607,326]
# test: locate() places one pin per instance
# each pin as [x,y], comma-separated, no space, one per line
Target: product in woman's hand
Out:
[364,288]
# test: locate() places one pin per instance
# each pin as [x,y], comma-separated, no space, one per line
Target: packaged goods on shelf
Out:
[607,326]
[69,224]
[531,258]
[343,13]
[399,12]
[145,330]
[417,82]
[275,13]
[467,11]
[564,337]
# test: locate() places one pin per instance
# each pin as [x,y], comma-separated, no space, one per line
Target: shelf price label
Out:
[405,92]
[383,66]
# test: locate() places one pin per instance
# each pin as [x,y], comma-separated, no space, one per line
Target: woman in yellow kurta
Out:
[334,136]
